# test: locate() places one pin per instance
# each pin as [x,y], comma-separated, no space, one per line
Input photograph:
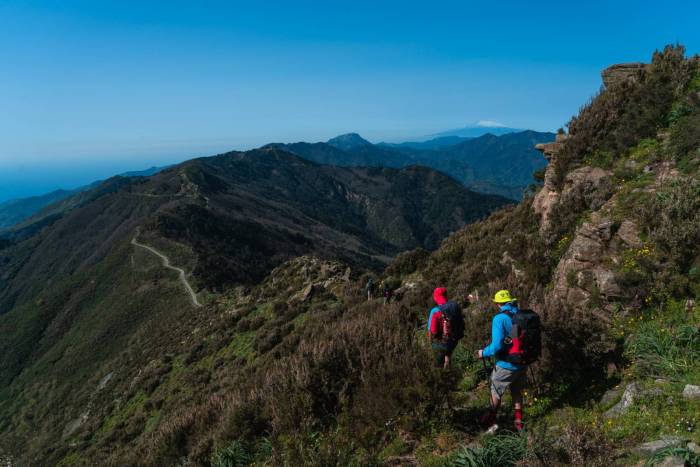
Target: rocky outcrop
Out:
[586,182]
[621,72]
[633,391]
[584,279]
[548,196]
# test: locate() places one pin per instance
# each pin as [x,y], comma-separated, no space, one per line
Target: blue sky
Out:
[91,88]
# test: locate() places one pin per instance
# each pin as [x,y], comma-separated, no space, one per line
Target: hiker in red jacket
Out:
[445,327]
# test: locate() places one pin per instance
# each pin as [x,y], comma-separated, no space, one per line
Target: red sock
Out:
[519,418]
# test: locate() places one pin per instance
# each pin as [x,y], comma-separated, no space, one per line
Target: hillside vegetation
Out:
[298,368]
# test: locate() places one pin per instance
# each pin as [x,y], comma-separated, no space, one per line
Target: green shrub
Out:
[504,450]
[672,222]
[235,454]
[666,346]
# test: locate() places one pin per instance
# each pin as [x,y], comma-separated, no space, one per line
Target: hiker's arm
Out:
[497,336]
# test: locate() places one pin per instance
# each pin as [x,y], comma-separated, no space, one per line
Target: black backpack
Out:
[452,313]
[524,344]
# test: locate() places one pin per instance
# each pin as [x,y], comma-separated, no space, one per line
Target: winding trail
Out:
[166,263]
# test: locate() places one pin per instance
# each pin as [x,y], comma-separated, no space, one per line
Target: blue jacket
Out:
[500,328]
[430,316]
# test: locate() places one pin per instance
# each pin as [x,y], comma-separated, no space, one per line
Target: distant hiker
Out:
[388,293]
[370,288]
[515,343]
[445,327]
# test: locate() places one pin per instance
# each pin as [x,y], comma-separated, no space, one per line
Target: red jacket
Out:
[439,295]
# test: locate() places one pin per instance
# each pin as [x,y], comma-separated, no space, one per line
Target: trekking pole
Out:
[534,380]
[487,369]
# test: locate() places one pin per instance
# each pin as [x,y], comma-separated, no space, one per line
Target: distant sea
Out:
[21,181]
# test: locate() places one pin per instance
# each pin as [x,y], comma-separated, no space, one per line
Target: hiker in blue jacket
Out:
[505,374]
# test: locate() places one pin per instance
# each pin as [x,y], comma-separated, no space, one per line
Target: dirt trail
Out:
[166,263]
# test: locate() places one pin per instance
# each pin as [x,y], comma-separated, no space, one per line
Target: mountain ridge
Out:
[476,162]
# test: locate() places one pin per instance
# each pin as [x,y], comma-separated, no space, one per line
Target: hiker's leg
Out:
[516,391]
[439,355]
[495,403]
[447,360]
[498,387]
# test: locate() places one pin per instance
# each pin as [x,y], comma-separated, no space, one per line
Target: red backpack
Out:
[449,323]
[524,343]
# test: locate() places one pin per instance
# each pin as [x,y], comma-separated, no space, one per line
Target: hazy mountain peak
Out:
[488,124]
[477,129]
[348,141]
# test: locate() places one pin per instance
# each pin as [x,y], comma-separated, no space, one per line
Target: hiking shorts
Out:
[502,379]
[440,351]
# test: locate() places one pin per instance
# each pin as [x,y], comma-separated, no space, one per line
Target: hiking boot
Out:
[488,420]
[492,430]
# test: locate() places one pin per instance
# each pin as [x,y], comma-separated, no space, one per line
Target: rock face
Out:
[584,280]
[621,72]
[548,196]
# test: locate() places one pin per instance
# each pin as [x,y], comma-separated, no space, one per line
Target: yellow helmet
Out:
[503,296]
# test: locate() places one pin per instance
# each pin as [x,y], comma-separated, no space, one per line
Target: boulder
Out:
[691,392]
[652,447]
[628,397]
[621,72]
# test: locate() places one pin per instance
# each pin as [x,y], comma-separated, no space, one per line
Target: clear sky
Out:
[90,88]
